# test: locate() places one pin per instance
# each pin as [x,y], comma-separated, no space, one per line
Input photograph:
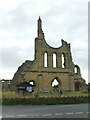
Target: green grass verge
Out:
[41,95]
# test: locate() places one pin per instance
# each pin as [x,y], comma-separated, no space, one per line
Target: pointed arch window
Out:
[63,61]
[54,60]
[55,83]
[45,59]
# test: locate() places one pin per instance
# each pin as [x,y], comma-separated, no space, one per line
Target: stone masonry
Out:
[42,72]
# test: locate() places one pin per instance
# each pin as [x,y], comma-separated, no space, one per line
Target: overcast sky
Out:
[61,19]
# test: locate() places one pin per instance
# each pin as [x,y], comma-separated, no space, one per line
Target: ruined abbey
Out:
[49,64]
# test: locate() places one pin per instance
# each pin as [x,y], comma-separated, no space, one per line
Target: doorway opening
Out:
[56,86]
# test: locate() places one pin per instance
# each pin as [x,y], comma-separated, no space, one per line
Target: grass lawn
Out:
[34,95]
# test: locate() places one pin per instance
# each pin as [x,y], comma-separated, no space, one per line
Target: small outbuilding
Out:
[25,87]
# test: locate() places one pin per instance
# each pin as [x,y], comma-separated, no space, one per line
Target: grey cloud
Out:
[10,58]
[13,57]
[17,19]
[75,18]
[81,58]
[18,24]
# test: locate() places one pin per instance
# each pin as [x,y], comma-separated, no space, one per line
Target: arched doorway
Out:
[56,85]
[77,86]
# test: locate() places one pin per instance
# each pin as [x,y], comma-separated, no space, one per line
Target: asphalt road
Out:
[46,111]
[0,112]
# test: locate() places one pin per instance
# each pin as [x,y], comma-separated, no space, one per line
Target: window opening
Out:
[45,60]
[75,69]
[55,83]
[63,61]
[31,83]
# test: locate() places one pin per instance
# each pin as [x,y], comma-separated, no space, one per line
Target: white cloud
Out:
[7,74]
[85,76]
[8,4]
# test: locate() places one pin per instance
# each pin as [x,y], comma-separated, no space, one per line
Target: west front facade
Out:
[49,64]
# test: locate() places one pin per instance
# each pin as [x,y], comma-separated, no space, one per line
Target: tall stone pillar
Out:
[59,60]
[40,82]
[72,83]
[50,60]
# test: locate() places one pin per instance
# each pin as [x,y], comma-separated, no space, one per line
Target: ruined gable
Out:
[43,70]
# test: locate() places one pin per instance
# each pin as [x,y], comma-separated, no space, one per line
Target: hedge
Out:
[45,101]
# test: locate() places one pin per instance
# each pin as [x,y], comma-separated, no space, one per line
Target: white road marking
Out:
[59,114]
[87,112]
[69,113]
[47,114]
[79,112]
[21,115]
[33,115]
[10,116]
